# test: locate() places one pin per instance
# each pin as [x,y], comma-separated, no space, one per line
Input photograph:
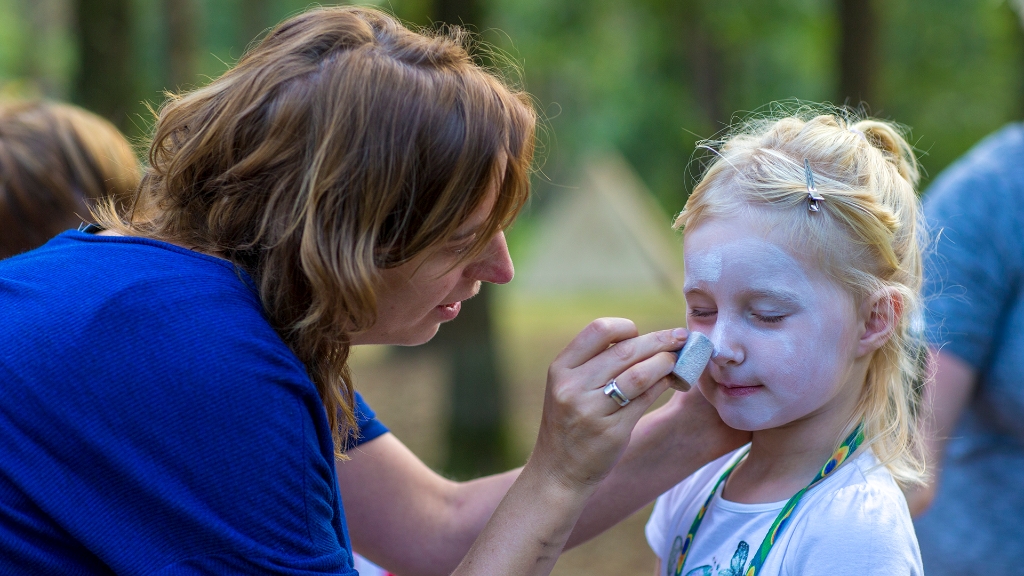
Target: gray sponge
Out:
[693,358]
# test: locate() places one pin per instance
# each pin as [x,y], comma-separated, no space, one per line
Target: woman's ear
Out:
[879,315]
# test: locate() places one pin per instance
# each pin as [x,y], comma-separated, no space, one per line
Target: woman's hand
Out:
[392,496]
[695,422]
[583,432]
[667,445]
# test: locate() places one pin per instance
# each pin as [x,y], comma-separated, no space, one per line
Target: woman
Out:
[176,390]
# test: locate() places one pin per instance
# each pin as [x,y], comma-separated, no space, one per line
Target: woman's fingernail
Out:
[680,333]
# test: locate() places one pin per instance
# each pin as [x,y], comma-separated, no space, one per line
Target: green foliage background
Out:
[620,74]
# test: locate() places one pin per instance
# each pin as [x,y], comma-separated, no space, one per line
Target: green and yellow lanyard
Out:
[848,447]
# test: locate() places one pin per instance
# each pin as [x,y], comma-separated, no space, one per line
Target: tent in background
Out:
[609,235]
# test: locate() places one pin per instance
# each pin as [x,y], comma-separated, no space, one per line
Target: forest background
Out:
[643,79]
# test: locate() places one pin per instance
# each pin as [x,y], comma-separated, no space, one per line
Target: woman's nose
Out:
[494,264]
[727,348]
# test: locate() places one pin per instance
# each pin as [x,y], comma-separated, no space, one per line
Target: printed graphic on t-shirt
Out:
[737,564]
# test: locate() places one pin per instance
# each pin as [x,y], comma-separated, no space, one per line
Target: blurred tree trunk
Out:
[49,21]
[1017,10]
[104,80]
[182,21]
[702,56]
[858,26]
[477,432]
[254,20]
[460,12]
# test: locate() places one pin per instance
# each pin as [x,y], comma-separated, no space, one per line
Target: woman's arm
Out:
[408,518]
[403,515]
[583,434]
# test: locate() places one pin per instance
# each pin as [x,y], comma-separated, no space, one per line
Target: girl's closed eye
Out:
[702,312]
[768,318]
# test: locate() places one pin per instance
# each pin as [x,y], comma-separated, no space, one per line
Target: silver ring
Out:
[612,391]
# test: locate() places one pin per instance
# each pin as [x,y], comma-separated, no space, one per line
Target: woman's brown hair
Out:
[341,144]
[56,159]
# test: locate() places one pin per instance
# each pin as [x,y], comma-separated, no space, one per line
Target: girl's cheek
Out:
[785,346]
[698,324]
[707,386]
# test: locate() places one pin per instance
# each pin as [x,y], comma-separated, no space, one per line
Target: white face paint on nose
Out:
[726,345]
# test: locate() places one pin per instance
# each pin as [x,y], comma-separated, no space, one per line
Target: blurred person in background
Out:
[974,293]
[176,395]
[968,517]
[55,161]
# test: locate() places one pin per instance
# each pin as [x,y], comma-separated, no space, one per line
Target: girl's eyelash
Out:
[767,319]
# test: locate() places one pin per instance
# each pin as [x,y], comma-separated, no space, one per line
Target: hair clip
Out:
[812,193]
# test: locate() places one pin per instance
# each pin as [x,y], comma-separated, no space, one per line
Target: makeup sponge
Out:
[693,358]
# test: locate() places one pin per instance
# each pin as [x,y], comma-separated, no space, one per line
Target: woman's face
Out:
[786,337]
[416,297]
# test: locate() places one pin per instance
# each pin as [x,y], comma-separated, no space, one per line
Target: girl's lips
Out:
[449,311]
[737,390]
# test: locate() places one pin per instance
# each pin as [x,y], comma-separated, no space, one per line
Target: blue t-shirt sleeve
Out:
[366,421]
[970,270]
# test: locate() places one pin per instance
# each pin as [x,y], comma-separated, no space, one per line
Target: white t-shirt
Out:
[855,522]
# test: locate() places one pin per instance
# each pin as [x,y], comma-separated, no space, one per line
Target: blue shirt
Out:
[152,421]
[974,294]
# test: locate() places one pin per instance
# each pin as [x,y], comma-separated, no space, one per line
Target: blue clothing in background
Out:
[975,311]
[152,422]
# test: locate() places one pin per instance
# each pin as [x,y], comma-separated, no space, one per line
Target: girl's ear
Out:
[879,315]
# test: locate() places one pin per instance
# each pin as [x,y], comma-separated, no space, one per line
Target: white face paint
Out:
[704,268]
[785,335]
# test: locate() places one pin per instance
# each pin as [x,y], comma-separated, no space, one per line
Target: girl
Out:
[803,268]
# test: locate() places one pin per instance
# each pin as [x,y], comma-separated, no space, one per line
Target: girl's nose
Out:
[494,264]
[727,348]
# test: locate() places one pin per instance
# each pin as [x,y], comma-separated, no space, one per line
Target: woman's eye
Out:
[697,313]
[768,318]
[461,247]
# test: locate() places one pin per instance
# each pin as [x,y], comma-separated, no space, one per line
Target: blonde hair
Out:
[55,160]
[867,237]
[341,144]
